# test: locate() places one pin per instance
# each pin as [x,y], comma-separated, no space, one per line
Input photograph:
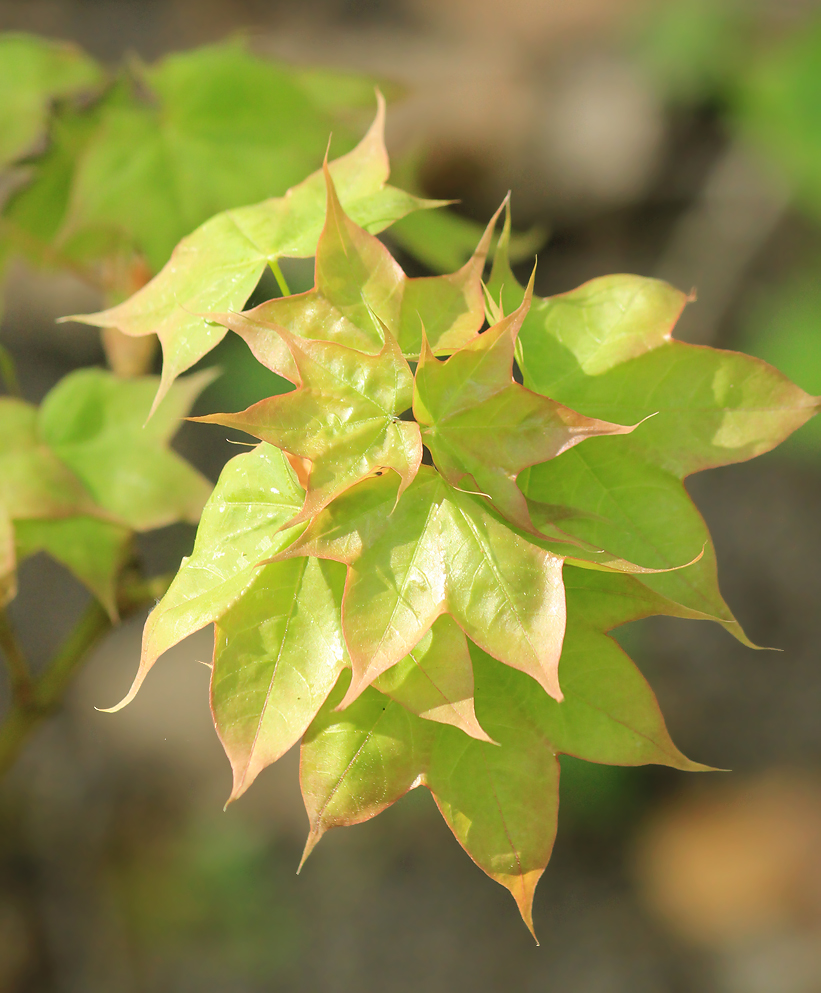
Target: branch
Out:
[35,699]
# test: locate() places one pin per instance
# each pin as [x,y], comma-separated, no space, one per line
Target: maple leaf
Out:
[359,291]
[34,482]
[501,801]
[355,763]
[435,679]
[33,73]
[478,422]
[92,549]
[80,473]
[95,423]
[278,651]
[344,418]
[217,267]
[241,524]
[437,550]
[606,349]
[201,142]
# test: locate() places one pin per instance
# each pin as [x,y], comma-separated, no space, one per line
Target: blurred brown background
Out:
[118,871]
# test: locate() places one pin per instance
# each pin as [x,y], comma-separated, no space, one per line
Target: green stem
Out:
[45,694]
[281,281]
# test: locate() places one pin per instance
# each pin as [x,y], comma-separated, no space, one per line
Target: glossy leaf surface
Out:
[241,524]
[478,422]
[356,763]
[277,654]
[343,418]
[460,595]
[606,350]
[435,679]
[359,291]
[437,550]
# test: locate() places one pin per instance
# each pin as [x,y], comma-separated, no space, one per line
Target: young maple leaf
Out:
[435,679]
[437,550]
[500,800]
[606,349]
[279,650]
[478,422]
[343,417]
[359,290]
[217,266]
[241,524]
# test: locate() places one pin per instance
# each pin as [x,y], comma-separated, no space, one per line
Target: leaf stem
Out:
[281,281]
[35,699]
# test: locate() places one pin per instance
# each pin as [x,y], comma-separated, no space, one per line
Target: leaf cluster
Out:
[416,569]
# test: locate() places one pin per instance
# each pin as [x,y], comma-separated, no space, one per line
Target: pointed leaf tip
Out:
[313,839]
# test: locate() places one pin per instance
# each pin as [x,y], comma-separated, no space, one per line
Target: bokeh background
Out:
[674,139]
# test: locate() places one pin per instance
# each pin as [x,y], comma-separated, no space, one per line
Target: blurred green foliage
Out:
[215,898]
[762,72]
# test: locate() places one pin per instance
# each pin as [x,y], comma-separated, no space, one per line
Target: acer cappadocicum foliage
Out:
[416,569]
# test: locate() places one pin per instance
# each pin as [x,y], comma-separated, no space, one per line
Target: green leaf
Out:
[34,214]
[33,73]
[478,422]
[344,418]
[606,350]
[356,763]
[217,267]
[609,713]
[33,481]
[435,679]
[359,291]
[502,803]
[92,549]
[95,423]
[277,654]
[222,128]
[254,496]
[437,550]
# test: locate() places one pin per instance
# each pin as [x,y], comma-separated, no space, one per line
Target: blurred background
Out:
[678,139]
